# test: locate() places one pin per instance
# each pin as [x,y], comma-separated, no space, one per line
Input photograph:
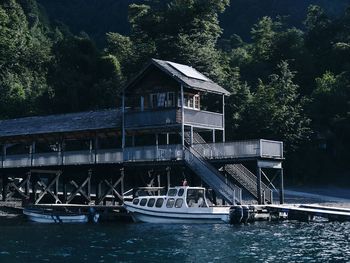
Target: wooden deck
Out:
[261,149]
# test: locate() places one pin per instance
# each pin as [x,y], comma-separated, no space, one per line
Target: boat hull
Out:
[184,217]
[53,218]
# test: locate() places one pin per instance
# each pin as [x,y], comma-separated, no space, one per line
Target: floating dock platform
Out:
[299,212]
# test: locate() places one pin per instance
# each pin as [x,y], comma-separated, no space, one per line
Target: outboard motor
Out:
[236,214]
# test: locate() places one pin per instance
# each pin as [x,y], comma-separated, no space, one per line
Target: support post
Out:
[123,120]
[96,146]
[98,192]
[3,155]
[213,135]
[32,153]
[223,118]
[167,138]
[258,183]
[62,146]
[281,194]
[133,140]
[91,148]
[157,152]
[89,184]
[27,185]
[168,177]
[182,118]
[5,182]
[122,174]
[158,182]
[191,136]
[65,191]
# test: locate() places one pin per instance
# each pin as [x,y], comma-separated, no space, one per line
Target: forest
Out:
[287,65]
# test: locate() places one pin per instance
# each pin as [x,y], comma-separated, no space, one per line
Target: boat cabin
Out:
[176,197]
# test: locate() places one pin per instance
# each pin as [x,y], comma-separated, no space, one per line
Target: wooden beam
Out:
[46,189]
[111,189]
[18,188]
[80,189]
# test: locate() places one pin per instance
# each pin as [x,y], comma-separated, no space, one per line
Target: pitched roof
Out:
[82,121]
[184,74]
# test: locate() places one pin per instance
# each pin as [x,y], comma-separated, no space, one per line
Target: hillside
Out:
[96,17]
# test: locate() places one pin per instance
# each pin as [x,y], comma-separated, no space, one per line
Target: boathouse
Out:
[170,127]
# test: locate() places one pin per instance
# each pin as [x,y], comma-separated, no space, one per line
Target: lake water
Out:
[27,242]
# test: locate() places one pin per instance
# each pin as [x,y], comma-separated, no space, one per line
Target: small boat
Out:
[181,204]
[51,216]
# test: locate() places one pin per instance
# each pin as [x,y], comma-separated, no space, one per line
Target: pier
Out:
[167,129]
[298,212]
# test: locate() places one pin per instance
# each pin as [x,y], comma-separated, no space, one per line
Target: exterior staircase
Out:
[238,172]
[231,193]
[247,180]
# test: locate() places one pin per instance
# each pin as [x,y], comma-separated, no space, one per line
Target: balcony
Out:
[171,117]
[264,149]
[204,119]
[154,118]
[241,149]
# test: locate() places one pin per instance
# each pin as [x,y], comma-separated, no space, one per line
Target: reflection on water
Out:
[263,241]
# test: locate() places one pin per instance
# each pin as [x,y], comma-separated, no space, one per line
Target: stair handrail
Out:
[228,169]
[236,190]
[268,191]
[198,140]
[252,176]
[211,168]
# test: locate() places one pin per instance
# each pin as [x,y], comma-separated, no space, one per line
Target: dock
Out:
[299,212]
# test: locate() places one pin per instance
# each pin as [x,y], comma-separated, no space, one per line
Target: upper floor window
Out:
[191,101]
[162,99]
[196,102]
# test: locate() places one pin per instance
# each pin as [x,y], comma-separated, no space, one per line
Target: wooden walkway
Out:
[308,212]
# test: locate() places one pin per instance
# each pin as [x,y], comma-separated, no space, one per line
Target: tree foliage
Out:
[24,55]
[288,81]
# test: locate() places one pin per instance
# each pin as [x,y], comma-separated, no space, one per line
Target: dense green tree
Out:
[263,36]
[331,109]
[236,105]
[45,68]
[276,110]
[80,79]
[24,55]
[186,31]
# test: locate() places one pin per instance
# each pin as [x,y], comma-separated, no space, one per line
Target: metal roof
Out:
[190,80]
[71,122]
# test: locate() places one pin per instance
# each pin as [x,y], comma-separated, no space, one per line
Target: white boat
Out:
[180,205]
[49,216]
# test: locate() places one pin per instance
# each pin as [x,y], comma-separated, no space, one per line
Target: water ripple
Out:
[258,242]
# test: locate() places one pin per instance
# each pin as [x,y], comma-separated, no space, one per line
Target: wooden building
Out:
[171,125]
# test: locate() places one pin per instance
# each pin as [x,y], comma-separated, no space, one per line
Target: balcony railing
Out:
[47,159]
[241,149]
[205,119]
[213,151]
[153,153]
[168,117]
[154,118]
[109,156]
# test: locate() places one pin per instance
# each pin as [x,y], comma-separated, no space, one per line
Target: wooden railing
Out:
[241,149]
[153,118]
[205,119]
[212,151]
[172,116]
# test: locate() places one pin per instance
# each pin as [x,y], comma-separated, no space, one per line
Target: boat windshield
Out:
[195,198]
[172,192]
